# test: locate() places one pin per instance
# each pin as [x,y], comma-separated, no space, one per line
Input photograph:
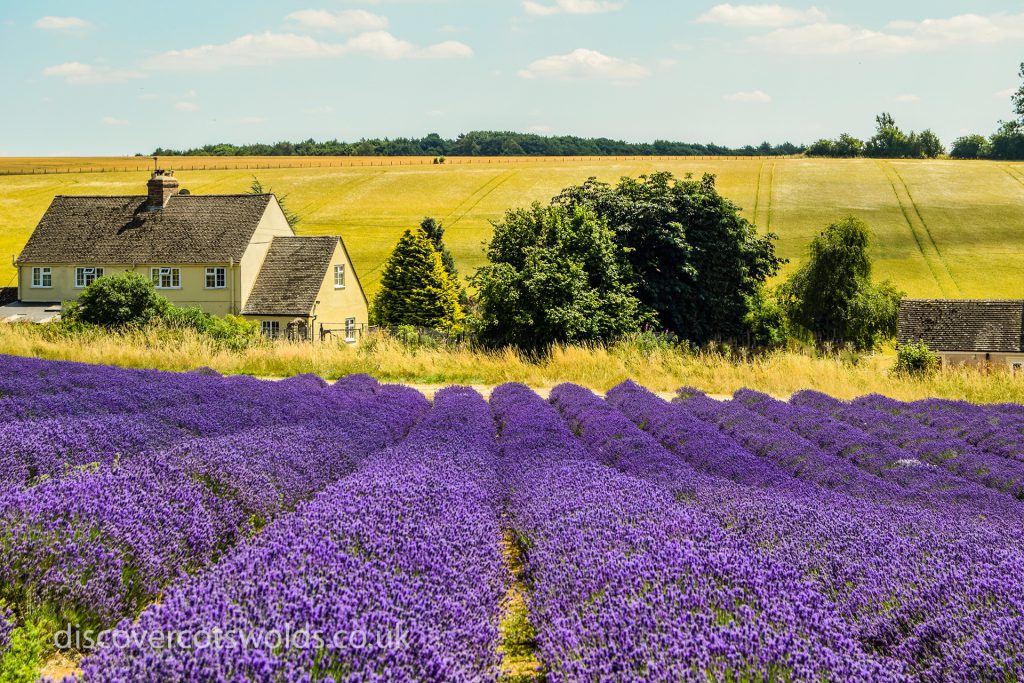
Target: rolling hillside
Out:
[943,228]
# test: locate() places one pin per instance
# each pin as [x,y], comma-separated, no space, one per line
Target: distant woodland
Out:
[486,144]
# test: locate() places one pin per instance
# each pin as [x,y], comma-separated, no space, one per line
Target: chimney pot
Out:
[162,186]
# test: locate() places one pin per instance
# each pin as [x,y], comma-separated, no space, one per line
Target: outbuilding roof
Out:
[290,279]
[125,230]
[985,325]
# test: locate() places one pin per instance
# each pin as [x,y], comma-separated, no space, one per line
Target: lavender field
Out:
[192,527]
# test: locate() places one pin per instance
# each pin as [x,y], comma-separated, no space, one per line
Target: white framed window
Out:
[216,278]
[86,276]
[339,277]
[167,278]
[42,278]
[271,329]
[350,329]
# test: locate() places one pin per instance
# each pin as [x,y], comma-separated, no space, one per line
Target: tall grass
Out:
[600,368]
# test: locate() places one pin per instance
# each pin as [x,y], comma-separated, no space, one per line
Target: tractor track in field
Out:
[922,235]
[1014,173]
[765,177]
[355,182]
[477,197]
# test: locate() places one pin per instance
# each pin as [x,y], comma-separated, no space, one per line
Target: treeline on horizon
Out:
[891,142]
[485,144]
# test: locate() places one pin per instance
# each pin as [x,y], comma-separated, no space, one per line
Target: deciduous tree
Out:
[694,260]
[831,295]
[554,276]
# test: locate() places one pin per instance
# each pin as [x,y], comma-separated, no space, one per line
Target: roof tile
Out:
[290,279]
[120,230]
[986,325]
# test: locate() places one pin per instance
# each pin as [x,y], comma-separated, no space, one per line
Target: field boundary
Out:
[174,163]
[930,252]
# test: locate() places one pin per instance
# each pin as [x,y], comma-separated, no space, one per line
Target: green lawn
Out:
[943,228]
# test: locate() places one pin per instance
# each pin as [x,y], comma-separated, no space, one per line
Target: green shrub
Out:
[30,645]
[915,359]
[190,318]
[117,301]
[234,332]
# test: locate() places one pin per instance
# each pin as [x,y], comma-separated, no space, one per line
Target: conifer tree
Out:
[415,288]
[435,233]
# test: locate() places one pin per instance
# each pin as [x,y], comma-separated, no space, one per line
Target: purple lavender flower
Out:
[99,544]
[628,584]
[936,591]
[395,573]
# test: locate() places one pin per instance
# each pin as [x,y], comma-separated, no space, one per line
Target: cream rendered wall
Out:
[193,291]
[273,224]
[338,304]
[971,358]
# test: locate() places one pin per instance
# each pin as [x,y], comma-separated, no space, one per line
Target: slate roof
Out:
[987,325]
[120,230]
[291,276]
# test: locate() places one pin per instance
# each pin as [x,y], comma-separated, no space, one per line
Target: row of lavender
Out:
[109,517]
[63,417]
[746,540]
[710,544]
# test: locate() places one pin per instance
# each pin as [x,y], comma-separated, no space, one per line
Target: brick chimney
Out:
[162,186]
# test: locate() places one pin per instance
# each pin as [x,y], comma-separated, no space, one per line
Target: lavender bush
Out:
[395,573]
[233,529]
[934,591]
[629,585]
[98,545]
[925,443]
[924,482]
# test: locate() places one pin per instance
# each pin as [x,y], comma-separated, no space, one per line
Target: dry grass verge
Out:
[599,368]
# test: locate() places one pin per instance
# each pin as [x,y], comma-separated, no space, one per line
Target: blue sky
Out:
[118,77]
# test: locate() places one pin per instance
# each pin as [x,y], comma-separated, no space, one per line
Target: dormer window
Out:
[86,276]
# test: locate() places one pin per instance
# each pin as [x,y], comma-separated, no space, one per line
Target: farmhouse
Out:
[966,331]
[227,254]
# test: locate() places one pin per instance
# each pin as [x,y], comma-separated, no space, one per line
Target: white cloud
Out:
[378,44]
[449,49]
[1009,92]
[749,97]
[187,106]
[908,98]
[61,23]
[539,129]
[760,16]
[88,74]
[571,7]
[111,121]
[833,39]
[345,21]
[584,64]
[247,50]
[898,37]
[268,48]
